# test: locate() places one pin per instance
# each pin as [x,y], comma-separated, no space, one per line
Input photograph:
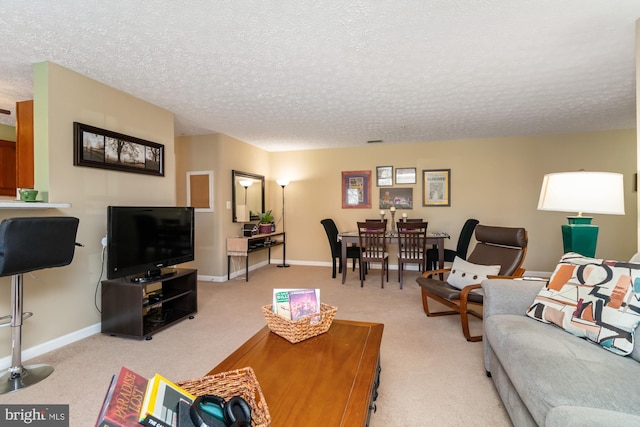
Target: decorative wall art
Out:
[100,148]
[200,190]
[356,190]
[405,176]
[384,176]
[436,187]
[400,198]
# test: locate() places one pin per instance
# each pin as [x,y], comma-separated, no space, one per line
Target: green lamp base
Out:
[580,236]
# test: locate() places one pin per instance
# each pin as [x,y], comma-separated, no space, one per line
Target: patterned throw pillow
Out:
[592,298]
[464,273]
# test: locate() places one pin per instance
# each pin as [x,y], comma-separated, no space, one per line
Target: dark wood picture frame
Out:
[436,187]
[384,176]
[356,189]
[101,148]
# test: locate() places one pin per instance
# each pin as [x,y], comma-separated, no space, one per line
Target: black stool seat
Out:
[28,244]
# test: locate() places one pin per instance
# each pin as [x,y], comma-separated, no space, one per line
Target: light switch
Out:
[228,204]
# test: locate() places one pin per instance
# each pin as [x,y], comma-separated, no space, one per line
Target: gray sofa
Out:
[548,377]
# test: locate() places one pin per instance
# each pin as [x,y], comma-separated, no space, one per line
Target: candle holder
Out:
[393,221]
[382,217]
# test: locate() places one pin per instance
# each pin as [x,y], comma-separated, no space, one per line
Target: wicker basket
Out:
[299,330]
[240,382]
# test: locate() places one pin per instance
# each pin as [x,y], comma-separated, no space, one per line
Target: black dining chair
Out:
[353,252]
[461,249]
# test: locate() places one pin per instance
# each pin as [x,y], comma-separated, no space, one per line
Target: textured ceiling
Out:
[302,74]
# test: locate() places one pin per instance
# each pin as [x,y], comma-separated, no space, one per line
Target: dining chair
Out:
[372,238]
[462,246]
[377,220]
[335,245]
[412,245]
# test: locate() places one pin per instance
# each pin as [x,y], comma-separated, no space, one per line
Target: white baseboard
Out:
[54,344]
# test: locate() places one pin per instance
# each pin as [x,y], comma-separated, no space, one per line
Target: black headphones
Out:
[213,411]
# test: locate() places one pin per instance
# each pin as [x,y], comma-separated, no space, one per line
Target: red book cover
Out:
[121,407]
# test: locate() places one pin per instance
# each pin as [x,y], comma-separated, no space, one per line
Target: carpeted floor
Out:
[431,376]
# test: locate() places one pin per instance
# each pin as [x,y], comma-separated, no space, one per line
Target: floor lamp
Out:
[283,183]
[590,192]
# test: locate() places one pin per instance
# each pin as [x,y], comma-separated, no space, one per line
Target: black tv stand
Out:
[154,276]
[141,309]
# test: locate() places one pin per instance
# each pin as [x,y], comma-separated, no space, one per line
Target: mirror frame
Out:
[237,175]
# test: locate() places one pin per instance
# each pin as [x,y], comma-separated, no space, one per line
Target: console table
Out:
[243,246]
[327,380]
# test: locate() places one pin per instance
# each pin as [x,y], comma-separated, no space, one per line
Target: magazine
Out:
[293,304]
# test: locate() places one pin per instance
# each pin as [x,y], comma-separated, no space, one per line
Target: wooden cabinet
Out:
[139,310]
[24,145]
[8,169]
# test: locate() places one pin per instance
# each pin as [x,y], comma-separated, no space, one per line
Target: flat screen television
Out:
[141,240]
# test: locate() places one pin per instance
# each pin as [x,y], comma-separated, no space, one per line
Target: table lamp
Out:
[582,192]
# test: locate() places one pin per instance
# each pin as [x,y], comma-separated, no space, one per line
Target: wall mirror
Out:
[247,196]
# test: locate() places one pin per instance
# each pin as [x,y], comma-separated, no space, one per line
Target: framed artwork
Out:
[200,190]
[436,187]
[384,176]
[405,176]
[99,148]
[400,198]
[356,190]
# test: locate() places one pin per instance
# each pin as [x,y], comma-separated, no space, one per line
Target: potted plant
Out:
[266,222]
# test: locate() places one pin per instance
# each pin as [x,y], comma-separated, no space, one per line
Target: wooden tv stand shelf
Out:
[140,309]
[243,246]
[328,380]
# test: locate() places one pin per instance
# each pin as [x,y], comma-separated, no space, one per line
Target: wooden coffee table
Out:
[328,380]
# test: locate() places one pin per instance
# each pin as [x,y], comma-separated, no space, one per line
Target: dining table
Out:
[349,238]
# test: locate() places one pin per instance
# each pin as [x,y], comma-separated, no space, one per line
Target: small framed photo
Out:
[436,187]
[399,198]
[384,176]
[405,176]
[356,190]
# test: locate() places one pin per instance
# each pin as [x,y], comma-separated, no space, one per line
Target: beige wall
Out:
[62,299]
[494,180]
[7,133]
[222,154]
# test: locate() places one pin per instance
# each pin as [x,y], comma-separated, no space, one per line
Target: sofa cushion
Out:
[592,298]
[550,368]
[464,273]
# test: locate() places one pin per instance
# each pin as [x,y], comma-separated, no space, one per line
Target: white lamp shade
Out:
[282,182]
[589,192]
[246,183]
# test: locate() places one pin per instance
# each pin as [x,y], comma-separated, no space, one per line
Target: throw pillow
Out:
[464,273]
[594,299]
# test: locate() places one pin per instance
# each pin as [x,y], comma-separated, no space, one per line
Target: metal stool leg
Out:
[18,376]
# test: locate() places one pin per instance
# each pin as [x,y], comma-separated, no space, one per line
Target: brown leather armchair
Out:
[503,246]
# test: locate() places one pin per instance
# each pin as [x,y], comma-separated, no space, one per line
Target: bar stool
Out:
[28,244]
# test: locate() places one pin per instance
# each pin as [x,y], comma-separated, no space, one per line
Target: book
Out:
[161,400]
[303,303]
[121,406]
[292,304]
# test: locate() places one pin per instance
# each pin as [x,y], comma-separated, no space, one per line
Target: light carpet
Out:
[431,376]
